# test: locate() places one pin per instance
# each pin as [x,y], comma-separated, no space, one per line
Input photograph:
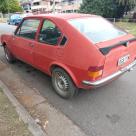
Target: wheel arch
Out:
[4,44]
[66,69]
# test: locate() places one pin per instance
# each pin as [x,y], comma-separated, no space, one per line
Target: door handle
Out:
[31,44]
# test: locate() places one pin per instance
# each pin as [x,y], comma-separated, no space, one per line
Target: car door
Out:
[24,40]
[46,47]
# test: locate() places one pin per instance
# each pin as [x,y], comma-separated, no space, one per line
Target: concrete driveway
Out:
[106,111]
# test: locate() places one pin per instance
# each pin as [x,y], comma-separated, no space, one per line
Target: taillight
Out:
[95,72]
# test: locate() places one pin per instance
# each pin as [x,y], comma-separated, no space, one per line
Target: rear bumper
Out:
[111,77]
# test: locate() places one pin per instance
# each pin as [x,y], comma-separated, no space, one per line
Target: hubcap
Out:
[61,82]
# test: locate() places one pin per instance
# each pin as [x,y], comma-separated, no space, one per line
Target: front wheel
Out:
[63,84]
[9,57]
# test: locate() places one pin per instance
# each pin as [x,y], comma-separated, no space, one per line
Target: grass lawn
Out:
[129,27]
[10,125]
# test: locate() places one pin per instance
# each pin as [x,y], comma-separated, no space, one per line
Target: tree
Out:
[107,8]
[10,5]
[14,6]
[127,2]
[126,5]
[104,8]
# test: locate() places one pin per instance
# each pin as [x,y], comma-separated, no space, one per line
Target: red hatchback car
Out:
[76,50]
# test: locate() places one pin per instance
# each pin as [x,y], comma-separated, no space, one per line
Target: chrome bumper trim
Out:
[111,77]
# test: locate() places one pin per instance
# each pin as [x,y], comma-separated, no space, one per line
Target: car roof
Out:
[64,16]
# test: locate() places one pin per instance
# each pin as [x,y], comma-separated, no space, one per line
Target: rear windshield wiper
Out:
[106,50]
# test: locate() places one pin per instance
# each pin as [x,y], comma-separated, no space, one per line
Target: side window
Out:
[49,33]
[28,28]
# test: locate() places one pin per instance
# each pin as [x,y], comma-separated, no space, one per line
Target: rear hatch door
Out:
[118,53]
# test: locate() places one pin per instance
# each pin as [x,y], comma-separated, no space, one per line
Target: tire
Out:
[9,57]
[16,24]
[63,84]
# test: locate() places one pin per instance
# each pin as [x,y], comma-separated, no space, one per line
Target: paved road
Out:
[4,28]
[106,111]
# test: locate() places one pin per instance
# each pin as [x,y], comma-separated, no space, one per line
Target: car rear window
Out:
[96,29]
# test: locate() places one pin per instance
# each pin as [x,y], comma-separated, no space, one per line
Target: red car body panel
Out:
[75,57]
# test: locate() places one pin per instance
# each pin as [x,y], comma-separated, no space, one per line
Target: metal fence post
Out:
[114,20]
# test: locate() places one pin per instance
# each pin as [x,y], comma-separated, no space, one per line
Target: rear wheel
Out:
[9,57]
[63,84]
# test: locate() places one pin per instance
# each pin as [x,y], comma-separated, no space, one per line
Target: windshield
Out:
[16,16]
[96,29]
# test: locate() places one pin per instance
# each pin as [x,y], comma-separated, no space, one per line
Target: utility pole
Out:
[53,9]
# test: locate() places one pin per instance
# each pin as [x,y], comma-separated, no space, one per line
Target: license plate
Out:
[123,60]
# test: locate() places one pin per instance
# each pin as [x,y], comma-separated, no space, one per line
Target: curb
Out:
[33,127]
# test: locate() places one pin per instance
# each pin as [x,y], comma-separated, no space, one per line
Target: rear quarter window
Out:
[96,29]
